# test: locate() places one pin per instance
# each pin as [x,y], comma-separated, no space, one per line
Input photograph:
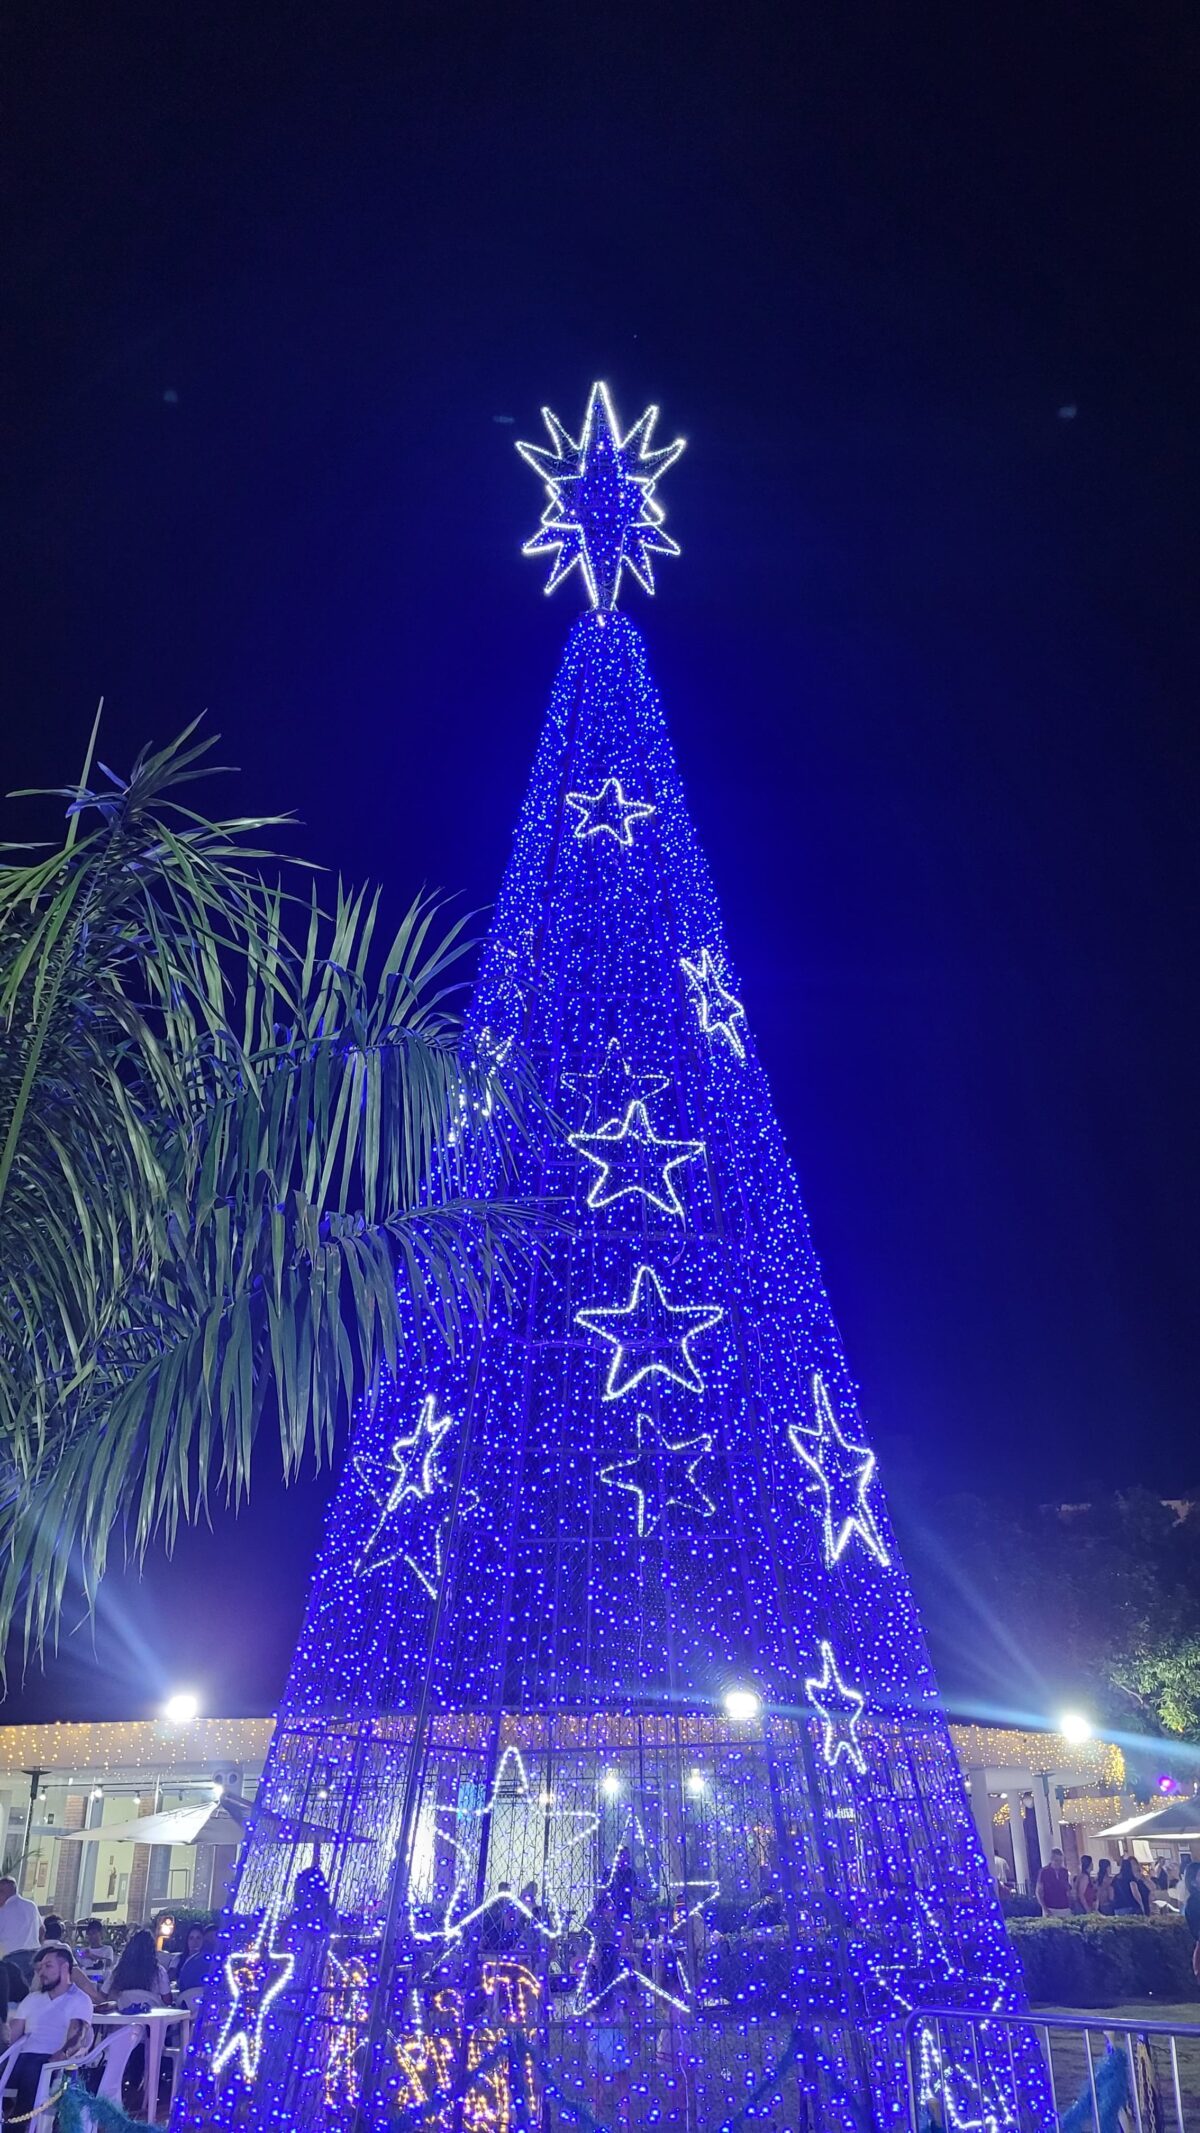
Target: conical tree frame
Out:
[611,1774]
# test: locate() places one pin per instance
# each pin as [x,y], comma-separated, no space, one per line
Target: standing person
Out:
[1104,1888]
[20,1928]
[1129,1896]
[1191,1898]
[1085,1885]
[50,2023]
[1053,1890]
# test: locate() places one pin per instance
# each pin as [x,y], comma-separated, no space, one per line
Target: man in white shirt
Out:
[20,1920]
[51,2022]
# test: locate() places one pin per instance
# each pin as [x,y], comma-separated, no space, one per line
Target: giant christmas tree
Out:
[610,1776]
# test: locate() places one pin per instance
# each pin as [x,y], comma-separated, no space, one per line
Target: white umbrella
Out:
[210,1823]
[1181,1819]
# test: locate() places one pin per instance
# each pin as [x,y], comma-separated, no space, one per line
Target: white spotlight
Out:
[610,1783]
[1075,1728]
[695,1781]
[182,1707]
[742,1703]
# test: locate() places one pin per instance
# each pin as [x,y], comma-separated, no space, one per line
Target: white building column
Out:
[1047,1821]
[1016,1825]
[982,1810]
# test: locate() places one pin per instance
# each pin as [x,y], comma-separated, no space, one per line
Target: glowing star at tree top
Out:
[602,512]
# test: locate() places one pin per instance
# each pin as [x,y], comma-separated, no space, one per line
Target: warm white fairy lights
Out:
[840,1707]
[661,1474]
[632,1158]
[602,513]
[719,1012]
[649,1335]
[843,1473]
[608,813]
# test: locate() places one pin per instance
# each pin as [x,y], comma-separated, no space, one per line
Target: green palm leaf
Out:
[231,1121]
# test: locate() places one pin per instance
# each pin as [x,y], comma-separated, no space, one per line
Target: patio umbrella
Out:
[210,1823]
[1178,1821]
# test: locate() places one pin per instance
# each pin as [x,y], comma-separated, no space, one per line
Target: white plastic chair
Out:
[54,2069]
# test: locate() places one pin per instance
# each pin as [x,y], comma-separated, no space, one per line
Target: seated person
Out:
[197,1962]
[52,2022]
[139,1980]
[95,1954]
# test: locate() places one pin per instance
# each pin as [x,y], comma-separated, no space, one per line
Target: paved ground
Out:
[1070,2065]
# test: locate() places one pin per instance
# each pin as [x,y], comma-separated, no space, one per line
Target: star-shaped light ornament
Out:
[922,1968]
[256,1976]
[840,1707]
[649,1335]
[661,1475]
[530,1834]
[720,1013]
[608,813]
[610,1088]
[844,1473]
[602,513]
[413,1513]
[672,1982]
[631,1157]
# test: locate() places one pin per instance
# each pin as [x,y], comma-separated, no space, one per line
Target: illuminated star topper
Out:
[602,512]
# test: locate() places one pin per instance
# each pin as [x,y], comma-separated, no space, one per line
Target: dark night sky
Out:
[930,652]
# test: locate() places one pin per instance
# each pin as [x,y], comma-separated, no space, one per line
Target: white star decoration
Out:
[840,1707]
[719,1012]
[844,1472]
[256,1976]
[649,1334]
[608,813]
[924,1969]
[602,513]
[523,1857]
[411,1527]
[630,1156]
[610,1088]
[629,1969]
[660,1475]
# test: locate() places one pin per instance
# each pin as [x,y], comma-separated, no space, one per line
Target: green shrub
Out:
[1095,1962]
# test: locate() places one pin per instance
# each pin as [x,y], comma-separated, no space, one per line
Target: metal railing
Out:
[945,2047]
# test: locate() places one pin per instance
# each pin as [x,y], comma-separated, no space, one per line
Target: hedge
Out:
[1095,1962]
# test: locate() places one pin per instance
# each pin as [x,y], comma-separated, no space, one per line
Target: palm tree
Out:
[230,1122]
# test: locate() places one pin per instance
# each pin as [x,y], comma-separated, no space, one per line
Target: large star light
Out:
[256,1976]
[844,1473]
[840,1707]
[608,813]
[530,1831]
[649,1334]
[602,513]
[631,1157]
[719,1012]
[413,1515]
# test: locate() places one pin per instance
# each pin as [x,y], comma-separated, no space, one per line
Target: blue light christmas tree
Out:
[611,1771]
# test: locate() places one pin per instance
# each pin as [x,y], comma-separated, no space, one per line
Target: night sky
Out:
[919,286]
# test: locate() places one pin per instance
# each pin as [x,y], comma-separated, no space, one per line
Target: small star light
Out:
[839,1705]
[719,1012]
[256,1976]
[608,813]
[602,512]
[631,1158]
[676,1465]
[649,1334]
[844,1472]
[610,1088]
[411,1526]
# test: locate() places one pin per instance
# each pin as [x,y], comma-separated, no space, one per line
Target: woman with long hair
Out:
[1104,1888]
[139,1980]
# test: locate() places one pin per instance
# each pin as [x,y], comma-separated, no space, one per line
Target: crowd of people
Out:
[1132,1889]
[52,1982]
